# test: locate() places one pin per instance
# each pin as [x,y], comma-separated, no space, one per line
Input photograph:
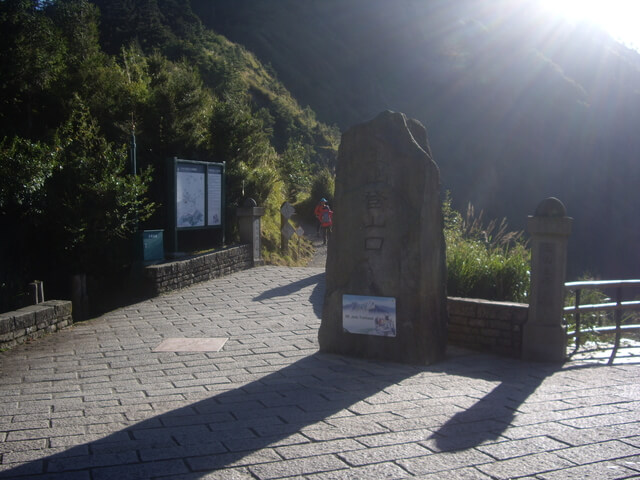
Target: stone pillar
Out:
[36,291]
[79,297]
[249,226]
[286,230]
[544,338]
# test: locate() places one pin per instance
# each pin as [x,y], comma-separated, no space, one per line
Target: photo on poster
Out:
[367,315]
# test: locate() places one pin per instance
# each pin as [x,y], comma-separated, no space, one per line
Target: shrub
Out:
[488,262]
[322,186]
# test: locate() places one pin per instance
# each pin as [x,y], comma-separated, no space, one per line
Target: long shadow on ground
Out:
[222,430]
[492,413]
[234,428]
[316,298]
[293,287]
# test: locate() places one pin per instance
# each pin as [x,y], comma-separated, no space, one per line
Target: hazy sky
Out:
[621,18]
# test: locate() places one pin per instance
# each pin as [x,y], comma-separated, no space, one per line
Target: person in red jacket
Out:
[317,212]
[326,221]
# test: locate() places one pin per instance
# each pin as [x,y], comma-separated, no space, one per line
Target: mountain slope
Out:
[519,105]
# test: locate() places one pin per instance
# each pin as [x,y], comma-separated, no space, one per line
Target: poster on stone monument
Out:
[367,315]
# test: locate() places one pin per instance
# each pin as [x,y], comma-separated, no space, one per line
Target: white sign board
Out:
[287,230]
[287,210]
[366,315]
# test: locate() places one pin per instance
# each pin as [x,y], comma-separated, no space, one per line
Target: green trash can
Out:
[152,246]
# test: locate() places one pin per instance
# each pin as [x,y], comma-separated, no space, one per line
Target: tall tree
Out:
[31,61]
[94,200]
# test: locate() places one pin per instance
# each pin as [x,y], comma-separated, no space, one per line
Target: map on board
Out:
[190,195]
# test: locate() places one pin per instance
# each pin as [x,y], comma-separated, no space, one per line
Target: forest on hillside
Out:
[79,79]
[519,105]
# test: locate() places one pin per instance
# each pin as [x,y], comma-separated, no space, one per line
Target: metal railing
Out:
[617,306]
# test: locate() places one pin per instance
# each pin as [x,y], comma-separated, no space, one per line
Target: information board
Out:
[199,194]
[195,198]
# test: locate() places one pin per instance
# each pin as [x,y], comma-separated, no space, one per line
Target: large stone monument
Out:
[386,271]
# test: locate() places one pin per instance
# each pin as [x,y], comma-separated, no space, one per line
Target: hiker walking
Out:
[325,219]
[317,212]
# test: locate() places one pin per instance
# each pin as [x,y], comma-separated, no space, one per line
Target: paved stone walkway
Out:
[96,402]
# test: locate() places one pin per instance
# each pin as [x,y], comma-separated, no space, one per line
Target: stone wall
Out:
[483,325]
[182,273]
[34,321]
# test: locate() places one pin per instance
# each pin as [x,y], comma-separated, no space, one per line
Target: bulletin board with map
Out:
[197,195]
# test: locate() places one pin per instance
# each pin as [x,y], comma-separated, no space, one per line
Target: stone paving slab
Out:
[96,402]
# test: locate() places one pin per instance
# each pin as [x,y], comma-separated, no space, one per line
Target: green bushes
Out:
[322,186]
[486,262]
[71,208]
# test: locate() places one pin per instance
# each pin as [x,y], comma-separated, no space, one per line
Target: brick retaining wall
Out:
[34,321]
[166,277]
[494,327]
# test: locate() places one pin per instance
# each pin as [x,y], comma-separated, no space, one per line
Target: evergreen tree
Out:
[31,61]
[93,201]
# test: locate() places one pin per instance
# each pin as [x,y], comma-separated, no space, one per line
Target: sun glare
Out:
[618,17]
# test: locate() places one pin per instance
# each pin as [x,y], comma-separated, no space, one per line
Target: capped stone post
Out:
[544,338]
[249,227]
[286,230]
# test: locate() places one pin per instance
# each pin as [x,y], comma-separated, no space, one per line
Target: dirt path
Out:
[320,256]
[319,259]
